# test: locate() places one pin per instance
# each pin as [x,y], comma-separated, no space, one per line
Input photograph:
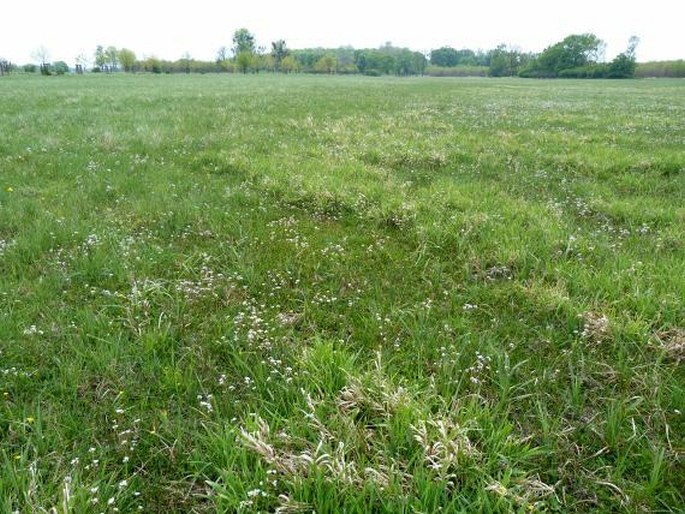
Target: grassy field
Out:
[341,294]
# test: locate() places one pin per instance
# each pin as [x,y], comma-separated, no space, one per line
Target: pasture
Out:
[341,294]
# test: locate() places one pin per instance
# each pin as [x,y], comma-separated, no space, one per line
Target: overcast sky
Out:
[169,29]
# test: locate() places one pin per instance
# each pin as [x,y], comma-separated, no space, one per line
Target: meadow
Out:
[341,294]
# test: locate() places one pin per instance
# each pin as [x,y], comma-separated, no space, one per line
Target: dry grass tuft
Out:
[596,327]
[673,343]
[290,506]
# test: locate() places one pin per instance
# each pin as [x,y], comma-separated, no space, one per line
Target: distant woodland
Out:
[576,56]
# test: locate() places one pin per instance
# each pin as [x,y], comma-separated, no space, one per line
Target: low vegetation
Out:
[295,294]
[661,69]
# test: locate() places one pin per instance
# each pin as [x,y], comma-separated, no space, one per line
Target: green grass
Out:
[341,294]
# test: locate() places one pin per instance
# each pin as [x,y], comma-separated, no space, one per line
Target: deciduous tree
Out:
[112,55]
[101,58]
[289,64]
[222,56]
[279,51]
[42,55]
[327,64]
[445,56]
[624,64]
[245,61]
[243,41]
[575,51]
[127,58]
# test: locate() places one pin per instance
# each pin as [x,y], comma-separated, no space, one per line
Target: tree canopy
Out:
[576,56]
[580,56]
[574,51]
[243,41]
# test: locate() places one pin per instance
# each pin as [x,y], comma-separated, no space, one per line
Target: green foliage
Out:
[326,64]
[576,57]
[624,64]
[373,62]
[575,51]
[107,59]
[506,61]
[590,71]
[289,64]
[448,57]
[153,65]
[245,61]
[390,60]
[244,42]
[60,67]
[112,56]
[386,60]
[279,51]
[100,57]
[445,57]
[621,67]
[127,58]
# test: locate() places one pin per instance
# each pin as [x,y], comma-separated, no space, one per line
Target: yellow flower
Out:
[10,189]
[30,419]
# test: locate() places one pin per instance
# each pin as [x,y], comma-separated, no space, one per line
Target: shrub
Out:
[591,71]
[60,67]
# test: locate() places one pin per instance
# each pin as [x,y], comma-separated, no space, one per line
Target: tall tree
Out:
[327,64]
[42,55]
[127,58]
[82,60]
[445,56]
[243,41]
[5,66]
[100,58]
[112,57]
[289,64]
[505,61]
[279,51]
[574,51]
[624,64]
[419,63]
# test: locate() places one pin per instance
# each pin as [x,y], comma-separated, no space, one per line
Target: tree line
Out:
[576,56]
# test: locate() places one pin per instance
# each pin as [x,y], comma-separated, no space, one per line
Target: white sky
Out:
[168,29]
